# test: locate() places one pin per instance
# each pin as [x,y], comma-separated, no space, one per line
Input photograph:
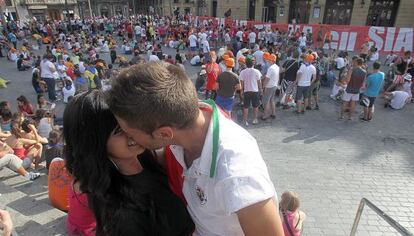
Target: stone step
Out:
[28,204]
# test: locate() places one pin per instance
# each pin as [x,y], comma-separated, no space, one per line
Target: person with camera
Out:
[26,142]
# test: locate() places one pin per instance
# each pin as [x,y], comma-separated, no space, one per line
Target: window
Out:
[176,1]
[9,3]
[382,12]
[338,12]
[299,11]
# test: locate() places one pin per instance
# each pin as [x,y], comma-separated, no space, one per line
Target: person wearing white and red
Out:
[306,75]
[270,84]
[213,71]
[251,89]
[228,191]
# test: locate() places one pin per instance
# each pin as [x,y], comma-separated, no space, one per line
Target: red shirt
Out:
[213,71]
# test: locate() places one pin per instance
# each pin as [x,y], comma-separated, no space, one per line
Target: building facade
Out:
[109,8]
[50,9]
[341,12]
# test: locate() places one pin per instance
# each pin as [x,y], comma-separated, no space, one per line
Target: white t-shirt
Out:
[153,58]
[206,46]
[250,76]
[399,99]
[195,60]
[302,41]
[306,71]
[259,57]
[241,179]
[193,40]
[68,92]
[273,75]
[240,35]
[138,30]
[340,62]
[46,69]
[252,37]
[44,127]
[227,38]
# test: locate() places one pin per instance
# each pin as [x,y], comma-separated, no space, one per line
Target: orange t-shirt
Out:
[213,71]
[59,183]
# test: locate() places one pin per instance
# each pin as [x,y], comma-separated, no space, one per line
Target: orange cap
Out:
[309,58]
[242,60]
[272,58]
[266,56]
[230,63]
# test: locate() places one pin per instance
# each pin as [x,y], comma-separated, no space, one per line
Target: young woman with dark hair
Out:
[24,106]
[126,189]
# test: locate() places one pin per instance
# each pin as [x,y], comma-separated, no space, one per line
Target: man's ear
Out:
[164,132]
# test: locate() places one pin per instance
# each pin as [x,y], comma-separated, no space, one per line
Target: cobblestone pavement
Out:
[331,164]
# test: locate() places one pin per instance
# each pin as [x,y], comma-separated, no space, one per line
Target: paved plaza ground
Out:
[331,164]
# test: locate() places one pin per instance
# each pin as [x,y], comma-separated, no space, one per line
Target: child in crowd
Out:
[292,217]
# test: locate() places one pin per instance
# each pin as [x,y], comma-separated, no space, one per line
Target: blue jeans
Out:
[50,82]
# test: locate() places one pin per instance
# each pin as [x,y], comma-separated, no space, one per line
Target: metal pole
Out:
[90,8]
[357,218]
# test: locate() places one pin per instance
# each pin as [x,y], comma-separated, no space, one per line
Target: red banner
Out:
[344,37]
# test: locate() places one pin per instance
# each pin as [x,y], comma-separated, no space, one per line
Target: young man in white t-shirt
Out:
[192,39]
[251,90]
[306,75]
[252,39]
[270,84]
[226,183]
[396,99]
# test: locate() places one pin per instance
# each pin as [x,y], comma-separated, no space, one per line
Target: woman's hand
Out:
[6,223]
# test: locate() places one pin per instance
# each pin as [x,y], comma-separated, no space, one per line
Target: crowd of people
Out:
[137,153]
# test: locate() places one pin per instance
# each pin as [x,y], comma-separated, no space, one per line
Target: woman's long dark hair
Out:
[88,124]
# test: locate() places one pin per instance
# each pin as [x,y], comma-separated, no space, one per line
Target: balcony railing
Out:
[50,2]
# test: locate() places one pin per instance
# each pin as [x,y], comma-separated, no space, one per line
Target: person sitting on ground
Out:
[13,55]
[396,99]
[44,121]
[27,149]
[24,106]
[407,85]
[197,60]
[81,84]
[59,180]
[68,89]
[201,80]
[292,217]
[43,104]
[5,119]
[11,161]
[22,64]
[124,186]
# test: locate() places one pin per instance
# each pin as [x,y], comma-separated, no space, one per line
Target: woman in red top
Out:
[213,71]
[24,106]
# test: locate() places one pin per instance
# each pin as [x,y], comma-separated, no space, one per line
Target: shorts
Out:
[301,93]
[288,87]
[251,98]
[193,49]
[367,101]
[269,95]
[225,103]
[347,97]
[314,89]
